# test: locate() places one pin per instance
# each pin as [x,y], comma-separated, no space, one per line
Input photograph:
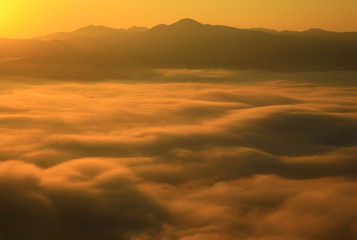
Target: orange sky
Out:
[28,18]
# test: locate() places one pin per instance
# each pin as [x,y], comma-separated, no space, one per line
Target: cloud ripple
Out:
[185,161]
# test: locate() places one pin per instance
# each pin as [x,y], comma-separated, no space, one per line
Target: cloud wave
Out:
[177,161]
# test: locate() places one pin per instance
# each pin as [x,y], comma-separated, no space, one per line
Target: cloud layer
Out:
[177,161]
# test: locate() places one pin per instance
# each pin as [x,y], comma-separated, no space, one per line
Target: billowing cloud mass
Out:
[176,160]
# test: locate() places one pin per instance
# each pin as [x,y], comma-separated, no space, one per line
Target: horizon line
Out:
[182,19]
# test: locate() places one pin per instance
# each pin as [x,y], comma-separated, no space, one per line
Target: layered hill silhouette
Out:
[97,51]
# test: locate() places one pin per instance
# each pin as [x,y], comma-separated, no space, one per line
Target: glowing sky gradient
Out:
[28,18]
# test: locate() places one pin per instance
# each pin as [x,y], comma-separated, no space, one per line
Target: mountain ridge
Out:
[187,22]
[108,52]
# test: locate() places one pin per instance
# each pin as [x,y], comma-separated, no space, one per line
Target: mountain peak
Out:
[187,22]
[94,28]
[315,30]
[137,29]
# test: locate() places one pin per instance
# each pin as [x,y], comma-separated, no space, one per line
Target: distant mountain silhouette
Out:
[107,52]
[315,33]
[186,23]
[91,31]
[25,48]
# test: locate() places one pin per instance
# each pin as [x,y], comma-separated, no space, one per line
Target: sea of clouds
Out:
[271,160]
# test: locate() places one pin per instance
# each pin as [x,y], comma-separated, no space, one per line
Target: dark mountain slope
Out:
[101,51]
